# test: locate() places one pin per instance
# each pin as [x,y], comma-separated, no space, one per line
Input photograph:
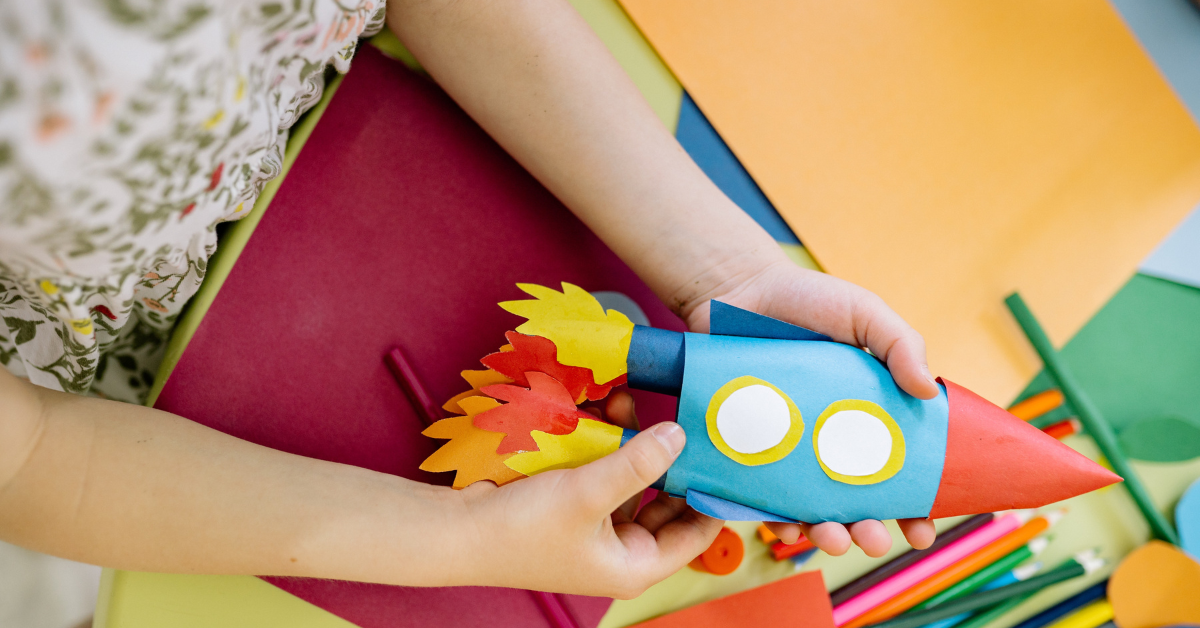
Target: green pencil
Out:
[1090,415]
[985,575]
[1082,563]
[985,617]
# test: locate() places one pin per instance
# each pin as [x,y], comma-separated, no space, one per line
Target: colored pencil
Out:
[1083,598]
[1082,564]
[988,615]
[1063,429]
[1020,574]
[1090,616]
[907,559]
[987,574]
[956,572]
[1037,405]
[952,553]
[1090,415]
[783,551]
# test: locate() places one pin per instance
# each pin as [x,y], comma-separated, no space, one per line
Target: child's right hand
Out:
[570,531]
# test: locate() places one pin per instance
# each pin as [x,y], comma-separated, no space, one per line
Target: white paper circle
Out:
[753,419]
[854,443]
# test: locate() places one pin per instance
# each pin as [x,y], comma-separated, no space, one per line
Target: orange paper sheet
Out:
[945,153]
[798,601]
[1156,585]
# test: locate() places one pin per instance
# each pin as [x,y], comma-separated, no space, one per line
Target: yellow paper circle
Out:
[767,456]
[895,460]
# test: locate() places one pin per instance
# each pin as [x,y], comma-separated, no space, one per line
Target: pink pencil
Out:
[948,555]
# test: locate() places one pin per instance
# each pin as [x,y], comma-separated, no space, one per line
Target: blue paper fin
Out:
[718,508]
[729,320]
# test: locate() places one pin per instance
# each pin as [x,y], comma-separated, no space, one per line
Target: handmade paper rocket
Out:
[783,424]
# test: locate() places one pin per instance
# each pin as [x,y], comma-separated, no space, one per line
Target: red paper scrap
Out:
[798,601]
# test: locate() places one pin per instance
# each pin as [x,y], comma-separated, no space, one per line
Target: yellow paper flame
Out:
[577,324]
[590,441]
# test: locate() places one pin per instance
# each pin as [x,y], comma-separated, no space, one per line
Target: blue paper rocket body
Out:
[856,447]
[816,376]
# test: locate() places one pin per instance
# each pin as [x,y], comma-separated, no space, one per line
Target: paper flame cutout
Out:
[534,353]
[477,380]
[471,451]
[591,440]
[545,406]
[585,335]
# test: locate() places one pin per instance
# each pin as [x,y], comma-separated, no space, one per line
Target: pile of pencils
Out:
[974,573]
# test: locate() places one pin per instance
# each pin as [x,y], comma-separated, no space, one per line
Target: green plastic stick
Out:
[977,579]
[1090,415]
[1072,569]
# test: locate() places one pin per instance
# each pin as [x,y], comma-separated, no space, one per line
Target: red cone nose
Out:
[995,461]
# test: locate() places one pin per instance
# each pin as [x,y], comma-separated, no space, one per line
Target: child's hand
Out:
[848,314]
[571,531]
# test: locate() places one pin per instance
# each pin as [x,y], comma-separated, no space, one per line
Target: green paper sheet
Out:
[1161,439]
[1139,357]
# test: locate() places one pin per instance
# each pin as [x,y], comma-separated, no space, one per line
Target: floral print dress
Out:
[128,130]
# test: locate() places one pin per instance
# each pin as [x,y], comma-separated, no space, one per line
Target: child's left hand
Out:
[575,531]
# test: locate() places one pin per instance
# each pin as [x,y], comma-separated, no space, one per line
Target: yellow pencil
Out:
[1090,616]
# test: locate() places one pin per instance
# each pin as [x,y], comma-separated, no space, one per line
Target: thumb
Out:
[605,484]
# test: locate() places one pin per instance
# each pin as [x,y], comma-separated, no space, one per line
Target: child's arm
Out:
[534,75]
[130,487]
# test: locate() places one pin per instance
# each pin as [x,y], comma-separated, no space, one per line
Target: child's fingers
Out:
[675,544]
[619,410]
[920,533]
[663,510]
[872,536]
[892,340]
[831,538]
[787,532]
[603,485]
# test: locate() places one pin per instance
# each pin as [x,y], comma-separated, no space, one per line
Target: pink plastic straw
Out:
[948,555]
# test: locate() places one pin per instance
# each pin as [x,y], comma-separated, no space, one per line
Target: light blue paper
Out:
[814,375]
[725,510]
[1187,520]
[1169,31]
[1178,257]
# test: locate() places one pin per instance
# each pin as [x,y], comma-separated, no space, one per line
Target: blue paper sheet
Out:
[1187,520]
[729,320]
[709,151]
[1178,257]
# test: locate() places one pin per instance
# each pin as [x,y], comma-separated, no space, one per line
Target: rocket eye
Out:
[753,422]
[858,442]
